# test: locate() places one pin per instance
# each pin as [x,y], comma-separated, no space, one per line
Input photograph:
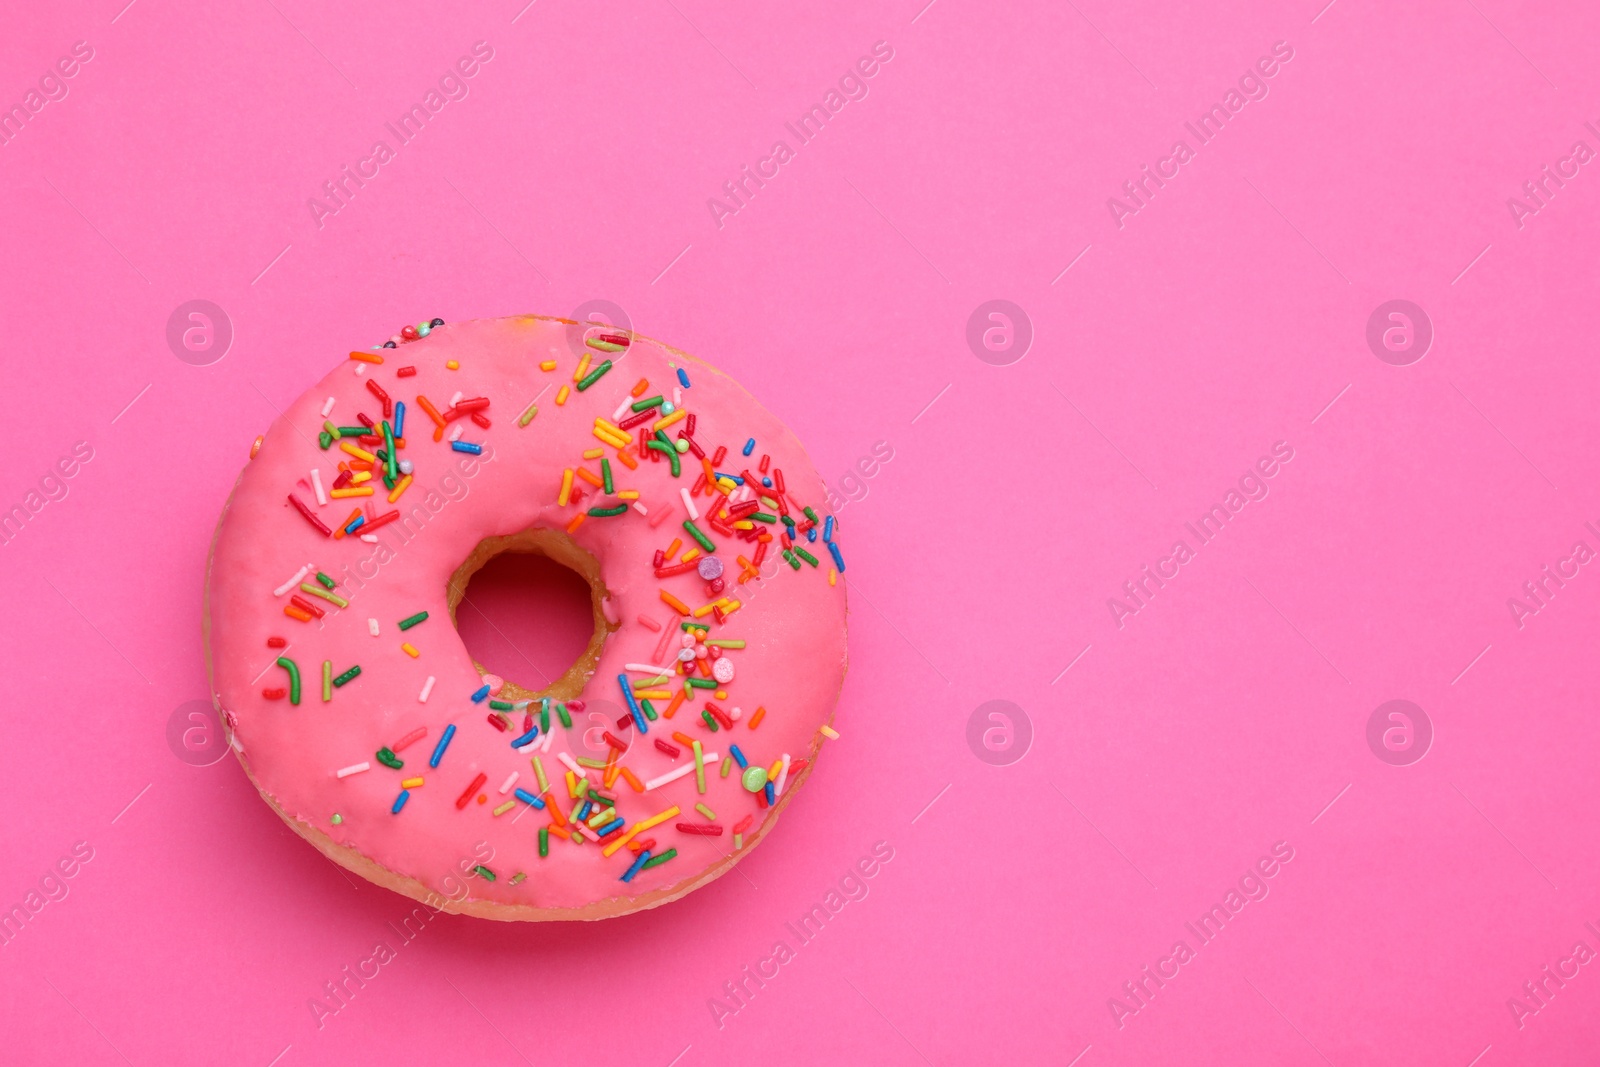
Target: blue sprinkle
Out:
[639,860]
[683,378]
[399,418]
[733,750]
[614,824]
[400,801]
[526,739]
[466,446]
[633,705]
[827,528]
[771,796]
[731,477]
[359,521]
[583,812]
[444,743]
[811,534]
[478,697]
[767,482]
[528,798]
[838,560]
[750,446]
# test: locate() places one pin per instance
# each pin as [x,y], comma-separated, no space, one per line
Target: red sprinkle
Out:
[405,372]
[719,455]
[494,720]
[464,798]
[274,694]
[649,624]
[669,749]
[409,739]
[744,824]
[377,390]
[305,605]
[310,517]
[712,830]
[277,642]
[481,420]
[614,741]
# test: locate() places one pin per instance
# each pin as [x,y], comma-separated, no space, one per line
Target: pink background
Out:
[1228,314]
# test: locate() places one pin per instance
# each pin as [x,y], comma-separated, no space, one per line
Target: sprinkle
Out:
[755,720]
[389,759]
[605,474]
[400,801]
[400,487]
[409,650]
[699,768]
[572,764]
[310,517]
[707,812]
[694,531]
[676,773]
[675,604]
[344,494]
[528,798]
[577,521]
[694,512]
[830,733]
[466,795]
[327,680]
[507,806]
[413,783]
[354,768]
[347,676]
[566,487]
[654,820]
[561,396]
[594,375]
[527,416]
[633,704]
[369,357]
[838,560]
[642,859]
[605,513]
[316,590]
[510,780]
[467,446]
[525,740]
[683,378]
[444,741]
[544,841]
[372,627]
[783,775]
[479,696]
[411,620]
[427,687]
[484,872]
[451,364]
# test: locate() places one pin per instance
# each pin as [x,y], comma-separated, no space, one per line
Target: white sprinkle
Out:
[572,764]
[688,502]
[427,687]
[327,409]
[455,434]
[543,743]
[457,398]
[505,787]
[640,508]
[316,483]
[361,368]
[299,575]
[372,627]
[622,409]
[370,539]
[736,713]
[678,772]
[783,776]
[354,768]
[647,668]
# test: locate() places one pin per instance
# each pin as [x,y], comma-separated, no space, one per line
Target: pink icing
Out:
[794,624]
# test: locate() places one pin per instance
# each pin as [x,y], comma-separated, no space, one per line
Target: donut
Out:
[699,705]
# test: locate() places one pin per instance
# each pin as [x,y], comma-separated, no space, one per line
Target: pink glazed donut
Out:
[663,755]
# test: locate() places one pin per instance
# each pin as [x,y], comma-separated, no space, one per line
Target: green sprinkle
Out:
[594,375]
[388,442]
[754,778]
[317,590]
[812,515]
[649,712]
[516,879]
[544,841]
[692,625]
[325,439]
[762,516]
[606,513]
[788,520]
[724,643]
[656,861]
[699,683]
[353,431]
[651,402]
[411,620]
[294,677]
[694,531]
[387,757]
[707,812]
[544,720]
[327,680]
[794,560]
[595,764]
[738,842]
[347,676]
[803,554]
[566,720]
[604,346]
[527,416]
[486,872]
[501,705]
[681,445]
[337,819]
[727,765]
[671,454]
[706,715]
[605,474]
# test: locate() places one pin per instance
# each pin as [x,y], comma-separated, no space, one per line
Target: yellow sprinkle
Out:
[615,440]
[654,820]
[357,451]
[357,477]
[691,554]
[664,422]
[409,649]
[538,770]
[611,427]
[721,694]
[572,784]
[772,771]
[548,364]
[653,694]
[727,485]
[730,607]
[566,487]
[744,524]
[399,487]
[593,453]
[707,812]
[412,783]
[507,806]
[561,396]
[451,364]
[833,576]
[703,611]
[830,732]
[627,494]
[340,494]
[583,368]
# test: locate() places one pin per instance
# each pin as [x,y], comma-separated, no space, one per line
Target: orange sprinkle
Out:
[755,720]
[674,603]
[577,521]
[672,708]
[560,832]
[367,357]
[677,543]
[640,387]
[555,811]
[590,477]
[433,413]
[626,456]
[338,531]
[638,786]
[295,613]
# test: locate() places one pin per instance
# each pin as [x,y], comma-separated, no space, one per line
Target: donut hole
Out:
[528,607]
